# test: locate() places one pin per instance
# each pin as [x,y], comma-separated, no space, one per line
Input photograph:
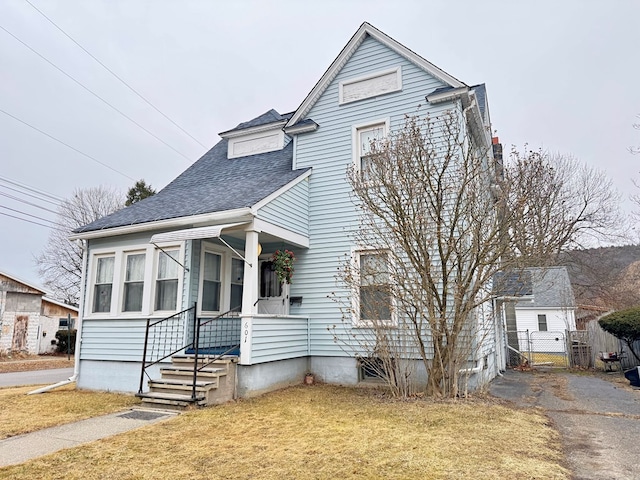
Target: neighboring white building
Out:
[29,319]
[539,309]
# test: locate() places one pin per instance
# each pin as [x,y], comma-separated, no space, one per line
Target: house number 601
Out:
[246,331]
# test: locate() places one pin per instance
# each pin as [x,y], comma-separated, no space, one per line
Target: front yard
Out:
[319,432]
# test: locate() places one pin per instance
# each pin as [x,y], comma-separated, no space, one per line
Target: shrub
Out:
[63,336]
[625,325]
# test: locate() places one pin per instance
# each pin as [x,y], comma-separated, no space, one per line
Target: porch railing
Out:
[210,337]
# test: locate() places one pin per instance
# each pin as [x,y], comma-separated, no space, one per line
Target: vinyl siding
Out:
[279,338]
[289,210]
[332,215]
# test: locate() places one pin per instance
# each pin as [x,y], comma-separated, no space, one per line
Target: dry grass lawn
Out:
[321,432]
[21,413]
[23,363]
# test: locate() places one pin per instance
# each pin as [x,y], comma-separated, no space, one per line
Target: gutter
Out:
[76,362]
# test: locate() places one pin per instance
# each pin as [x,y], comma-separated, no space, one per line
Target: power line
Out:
[95,94]
[116,76]
[32,216]
[32,189]
[31,221]
[28,203]
[67,145]
[17,190]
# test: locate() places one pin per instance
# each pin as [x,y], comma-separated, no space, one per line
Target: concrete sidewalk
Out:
[21,448]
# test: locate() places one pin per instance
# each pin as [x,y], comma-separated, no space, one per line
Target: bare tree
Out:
[557,204]
[430,232]
[60,263]
[437,223]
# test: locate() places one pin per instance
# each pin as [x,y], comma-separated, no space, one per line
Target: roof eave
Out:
[257,129]
[239,214]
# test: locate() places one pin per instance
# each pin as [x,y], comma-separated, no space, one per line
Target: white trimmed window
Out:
[211,282]
[364,137]
[103,284]
[167,280]
[375,302]
[237,282]
[133,282]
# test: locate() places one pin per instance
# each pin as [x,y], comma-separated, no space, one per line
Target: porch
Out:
[203,369]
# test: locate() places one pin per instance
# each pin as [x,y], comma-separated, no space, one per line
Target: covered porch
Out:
[234,308]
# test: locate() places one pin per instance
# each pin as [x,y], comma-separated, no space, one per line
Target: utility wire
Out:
[31,221]
[32,216]
[95,94]
[32,189]
[115,75]
[67,145]
[17,199]
[17,190]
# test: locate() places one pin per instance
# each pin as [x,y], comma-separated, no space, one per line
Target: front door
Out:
[274,296]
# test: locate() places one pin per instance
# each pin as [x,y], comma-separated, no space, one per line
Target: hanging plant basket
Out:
[283,265]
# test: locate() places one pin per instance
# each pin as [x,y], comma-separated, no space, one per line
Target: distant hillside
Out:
[602,276]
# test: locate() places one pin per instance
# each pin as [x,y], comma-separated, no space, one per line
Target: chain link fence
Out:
[535,348]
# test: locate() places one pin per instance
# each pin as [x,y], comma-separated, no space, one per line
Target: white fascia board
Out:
[280,191]
[346,53]
[448,95]
[259,129]
[236,215]
[310,127]
[296,239]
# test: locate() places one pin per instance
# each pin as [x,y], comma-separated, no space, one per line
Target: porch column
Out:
[250,287]
[249,295]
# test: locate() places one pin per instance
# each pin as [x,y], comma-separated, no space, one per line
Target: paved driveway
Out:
[35,377]
[599,421]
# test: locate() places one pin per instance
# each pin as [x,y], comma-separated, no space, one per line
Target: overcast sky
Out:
[561,75]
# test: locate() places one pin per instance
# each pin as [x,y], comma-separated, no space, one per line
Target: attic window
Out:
[254,143]
[372,85]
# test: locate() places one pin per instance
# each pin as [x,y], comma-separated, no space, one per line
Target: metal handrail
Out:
[197,326]
[151,324]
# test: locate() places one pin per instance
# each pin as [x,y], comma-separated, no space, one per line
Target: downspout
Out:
[76,362]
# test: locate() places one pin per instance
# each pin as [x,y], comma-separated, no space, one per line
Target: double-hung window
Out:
[133,282]
[103,284]
[542,323]
[375,304]
[167,280]
[211,284]
[367,138]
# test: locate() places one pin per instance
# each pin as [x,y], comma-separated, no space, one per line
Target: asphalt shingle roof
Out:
[268,117]
[212,184]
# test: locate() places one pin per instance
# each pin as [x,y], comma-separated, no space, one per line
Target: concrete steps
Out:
[215,383]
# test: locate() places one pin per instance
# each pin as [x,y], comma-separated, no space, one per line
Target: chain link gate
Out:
[538,348]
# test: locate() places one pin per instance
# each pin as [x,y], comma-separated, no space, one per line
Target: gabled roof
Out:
[547,287]
[23,282]
[365,30]
[60,304]
[268,117]
[551,288]
[212,184]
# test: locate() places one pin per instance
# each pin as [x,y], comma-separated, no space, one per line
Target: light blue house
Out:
[277,182]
